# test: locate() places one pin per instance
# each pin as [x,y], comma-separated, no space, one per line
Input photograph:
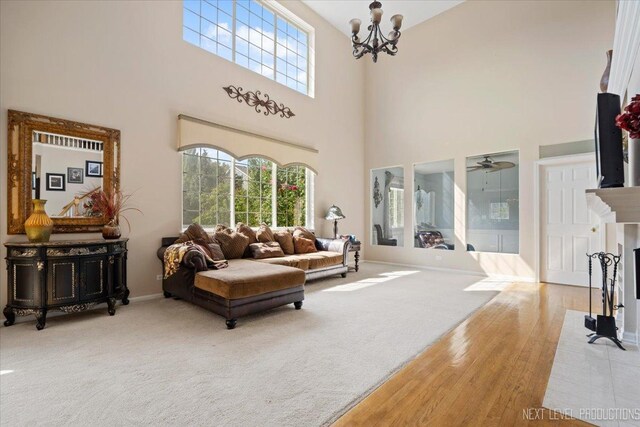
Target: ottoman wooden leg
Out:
[231,323]
[297,305]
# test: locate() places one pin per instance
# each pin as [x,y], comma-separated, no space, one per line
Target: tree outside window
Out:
[291,196]
[208,194]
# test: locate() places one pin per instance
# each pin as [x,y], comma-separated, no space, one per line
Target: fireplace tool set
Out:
[604,326]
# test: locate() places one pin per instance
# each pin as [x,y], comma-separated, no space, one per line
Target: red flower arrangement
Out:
[630,119]
[289,187]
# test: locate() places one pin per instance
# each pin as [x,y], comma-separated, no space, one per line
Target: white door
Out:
[568,228]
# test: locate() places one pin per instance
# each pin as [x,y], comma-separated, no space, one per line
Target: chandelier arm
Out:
[365,42]
[391,52]
[385,46]
[368,39]
[365,47]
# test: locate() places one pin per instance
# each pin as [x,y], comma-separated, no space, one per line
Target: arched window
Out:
[257,191]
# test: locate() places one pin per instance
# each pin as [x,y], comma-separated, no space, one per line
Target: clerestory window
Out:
[259,35]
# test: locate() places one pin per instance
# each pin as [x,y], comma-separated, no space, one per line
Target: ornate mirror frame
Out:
[21,126]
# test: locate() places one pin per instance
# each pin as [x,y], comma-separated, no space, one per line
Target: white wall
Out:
[124,65]
[486,77]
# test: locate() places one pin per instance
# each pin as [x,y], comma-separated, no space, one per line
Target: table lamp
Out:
[334,214]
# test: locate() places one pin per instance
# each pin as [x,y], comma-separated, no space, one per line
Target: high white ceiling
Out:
[340,12]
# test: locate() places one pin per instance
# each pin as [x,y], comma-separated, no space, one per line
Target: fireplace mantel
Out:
[620,205]
[621,208]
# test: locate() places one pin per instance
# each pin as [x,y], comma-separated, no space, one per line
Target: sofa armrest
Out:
[193,259]
[335,245]
[160,253]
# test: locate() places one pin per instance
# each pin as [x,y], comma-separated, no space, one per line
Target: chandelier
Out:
[375,41]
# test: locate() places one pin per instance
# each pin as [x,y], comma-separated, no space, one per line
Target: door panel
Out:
[93,276]
[27,276]
[554,213]
[554,246]
[579,260]
[63,281]
[568,229]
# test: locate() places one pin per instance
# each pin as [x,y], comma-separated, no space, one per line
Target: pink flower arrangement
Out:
[630,119]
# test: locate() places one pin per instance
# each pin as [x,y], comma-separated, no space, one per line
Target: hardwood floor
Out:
[486,371]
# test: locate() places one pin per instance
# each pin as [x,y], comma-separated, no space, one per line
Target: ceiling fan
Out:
[489,165]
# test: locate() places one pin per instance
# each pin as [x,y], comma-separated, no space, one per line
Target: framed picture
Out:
[33,180]
[55,182]
[93,169]
[75,176]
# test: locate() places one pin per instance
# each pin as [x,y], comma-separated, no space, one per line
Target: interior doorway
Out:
[568,228]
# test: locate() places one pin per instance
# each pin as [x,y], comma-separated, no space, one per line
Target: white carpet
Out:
[598,383]
[167,362]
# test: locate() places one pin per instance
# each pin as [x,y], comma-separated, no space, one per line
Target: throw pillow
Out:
[245,230]
[266,250]
[209,249]
[216,251]
[285,239]
[194,232]
[304,246]
[264,234]
[233,244]
[303,232]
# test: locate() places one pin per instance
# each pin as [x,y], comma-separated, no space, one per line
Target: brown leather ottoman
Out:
[247,287]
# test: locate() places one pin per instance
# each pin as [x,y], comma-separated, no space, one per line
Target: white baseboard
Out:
[631,338]
[504,278]
[426,267]
[101,306]
[145,297]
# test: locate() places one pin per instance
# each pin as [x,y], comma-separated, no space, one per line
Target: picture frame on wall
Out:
[55,182]
[75,176]
[93,169]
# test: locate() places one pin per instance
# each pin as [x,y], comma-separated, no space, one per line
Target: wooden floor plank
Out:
[486,371]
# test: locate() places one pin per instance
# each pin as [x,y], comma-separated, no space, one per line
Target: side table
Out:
[355,247]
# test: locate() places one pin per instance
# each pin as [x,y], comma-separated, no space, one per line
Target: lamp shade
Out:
[334,213]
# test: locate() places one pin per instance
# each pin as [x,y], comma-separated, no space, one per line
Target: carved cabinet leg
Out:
[125,298]
[10,315]
[111,302]
[357,258]
[41,318]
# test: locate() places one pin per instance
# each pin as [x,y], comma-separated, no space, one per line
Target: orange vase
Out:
[38,226]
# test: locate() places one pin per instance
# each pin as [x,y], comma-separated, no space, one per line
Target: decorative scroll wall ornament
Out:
[253,100]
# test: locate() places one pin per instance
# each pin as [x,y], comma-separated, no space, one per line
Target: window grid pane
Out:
[251,35]
[291,196]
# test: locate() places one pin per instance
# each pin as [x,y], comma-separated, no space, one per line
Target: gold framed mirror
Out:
[62,162]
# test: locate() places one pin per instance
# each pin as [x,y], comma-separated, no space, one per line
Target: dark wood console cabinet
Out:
[69,276]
